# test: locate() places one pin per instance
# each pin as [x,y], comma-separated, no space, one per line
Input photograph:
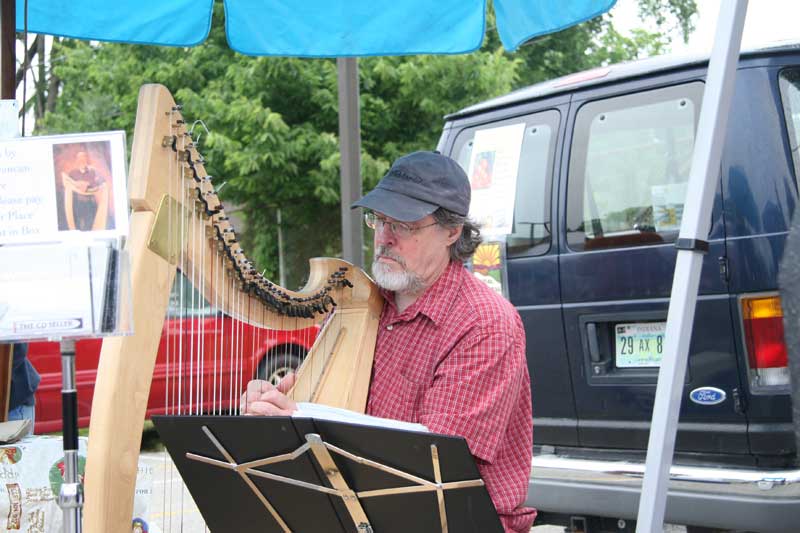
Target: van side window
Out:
[531,226]
[629,168]
[790,93]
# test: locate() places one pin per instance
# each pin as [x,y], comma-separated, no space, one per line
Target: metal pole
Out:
[350,148]
[8,60]
[691,243]
[281,265]
[70,498]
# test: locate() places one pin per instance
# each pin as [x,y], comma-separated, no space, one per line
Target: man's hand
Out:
[263,398]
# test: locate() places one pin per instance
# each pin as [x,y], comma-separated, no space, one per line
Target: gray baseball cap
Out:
[417,185]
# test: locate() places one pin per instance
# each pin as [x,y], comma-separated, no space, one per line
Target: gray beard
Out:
[405,281]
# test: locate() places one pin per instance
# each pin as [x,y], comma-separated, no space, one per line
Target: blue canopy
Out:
[313,28]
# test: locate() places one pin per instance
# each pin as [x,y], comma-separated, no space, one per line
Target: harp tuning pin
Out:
[167,141]
[177,107]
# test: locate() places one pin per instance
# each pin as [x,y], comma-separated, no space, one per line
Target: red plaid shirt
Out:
[455,361]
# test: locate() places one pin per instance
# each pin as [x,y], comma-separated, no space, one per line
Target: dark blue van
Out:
[604,162]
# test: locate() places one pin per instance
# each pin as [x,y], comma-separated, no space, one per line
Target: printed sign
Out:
[492,172]
[668,205]
[52,188]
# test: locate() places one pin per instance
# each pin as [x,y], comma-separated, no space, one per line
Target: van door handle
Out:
[594,343]
[599,364]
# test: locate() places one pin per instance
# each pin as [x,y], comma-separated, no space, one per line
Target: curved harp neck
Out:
[193,232]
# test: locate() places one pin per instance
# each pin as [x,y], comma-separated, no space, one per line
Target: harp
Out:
[179,223]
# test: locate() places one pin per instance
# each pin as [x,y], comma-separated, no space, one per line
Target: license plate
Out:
[639,344]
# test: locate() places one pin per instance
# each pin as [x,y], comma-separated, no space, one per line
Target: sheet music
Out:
[324,412]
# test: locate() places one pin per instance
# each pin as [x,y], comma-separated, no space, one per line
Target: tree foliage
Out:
[272,122]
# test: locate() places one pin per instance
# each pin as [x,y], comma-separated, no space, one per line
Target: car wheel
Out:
[275,366]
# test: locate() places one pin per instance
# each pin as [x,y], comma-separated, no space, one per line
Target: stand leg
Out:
[70,499]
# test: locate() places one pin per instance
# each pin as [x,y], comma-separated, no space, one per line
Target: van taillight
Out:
[766,347]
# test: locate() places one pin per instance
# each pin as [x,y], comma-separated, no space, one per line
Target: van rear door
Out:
[530,252]
[623,192]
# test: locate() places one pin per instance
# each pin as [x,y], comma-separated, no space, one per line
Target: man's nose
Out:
[384,236]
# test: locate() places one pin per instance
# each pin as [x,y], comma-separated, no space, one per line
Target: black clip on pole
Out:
[70,498]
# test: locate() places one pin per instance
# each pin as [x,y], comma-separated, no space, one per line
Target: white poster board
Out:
[63,220]
[493,170]
[54,187]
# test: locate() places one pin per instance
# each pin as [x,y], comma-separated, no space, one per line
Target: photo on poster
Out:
[481,177]
[84,186]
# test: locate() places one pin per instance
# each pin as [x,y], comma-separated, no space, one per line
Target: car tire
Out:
[274,366]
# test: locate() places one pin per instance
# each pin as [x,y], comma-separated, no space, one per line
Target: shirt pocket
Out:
[403,400]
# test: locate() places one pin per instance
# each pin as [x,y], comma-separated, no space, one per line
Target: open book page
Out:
[324,412]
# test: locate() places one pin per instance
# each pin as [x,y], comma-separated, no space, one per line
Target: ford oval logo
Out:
[708,395]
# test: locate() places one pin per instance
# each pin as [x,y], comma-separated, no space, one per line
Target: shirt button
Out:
[390,327]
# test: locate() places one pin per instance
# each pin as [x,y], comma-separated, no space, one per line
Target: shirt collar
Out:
[437,299]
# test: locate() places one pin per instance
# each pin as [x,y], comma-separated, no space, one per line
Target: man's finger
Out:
[266,409]
[279,400]
[257,387]
[287,382]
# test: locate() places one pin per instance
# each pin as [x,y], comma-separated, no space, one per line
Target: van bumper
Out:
[749,499]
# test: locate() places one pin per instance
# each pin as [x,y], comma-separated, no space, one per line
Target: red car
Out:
[197,340]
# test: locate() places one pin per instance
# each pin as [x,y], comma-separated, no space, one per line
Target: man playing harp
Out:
[450,352]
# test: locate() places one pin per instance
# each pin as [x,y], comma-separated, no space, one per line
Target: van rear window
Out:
[530,229]
[629,167]
[790,93]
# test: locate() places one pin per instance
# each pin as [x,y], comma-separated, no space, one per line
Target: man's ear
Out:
[453,234]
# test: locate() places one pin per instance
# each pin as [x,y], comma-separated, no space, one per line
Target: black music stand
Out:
[303,475]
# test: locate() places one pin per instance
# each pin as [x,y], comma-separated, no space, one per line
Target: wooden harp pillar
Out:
[178,223]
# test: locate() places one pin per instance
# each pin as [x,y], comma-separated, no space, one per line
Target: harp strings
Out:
[217,287]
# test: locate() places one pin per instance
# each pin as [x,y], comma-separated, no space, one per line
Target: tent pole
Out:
[350,147]
[8,61]
[702,185]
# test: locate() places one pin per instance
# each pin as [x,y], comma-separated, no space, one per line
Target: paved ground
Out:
[172,509]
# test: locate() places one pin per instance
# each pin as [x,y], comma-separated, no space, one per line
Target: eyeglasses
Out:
[398,229]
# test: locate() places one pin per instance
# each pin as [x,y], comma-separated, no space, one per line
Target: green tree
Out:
[273,123]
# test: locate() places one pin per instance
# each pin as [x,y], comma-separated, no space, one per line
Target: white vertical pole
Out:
[694,229]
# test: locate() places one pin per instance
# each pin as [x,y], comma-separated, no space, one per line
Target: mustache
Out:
[384,251]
